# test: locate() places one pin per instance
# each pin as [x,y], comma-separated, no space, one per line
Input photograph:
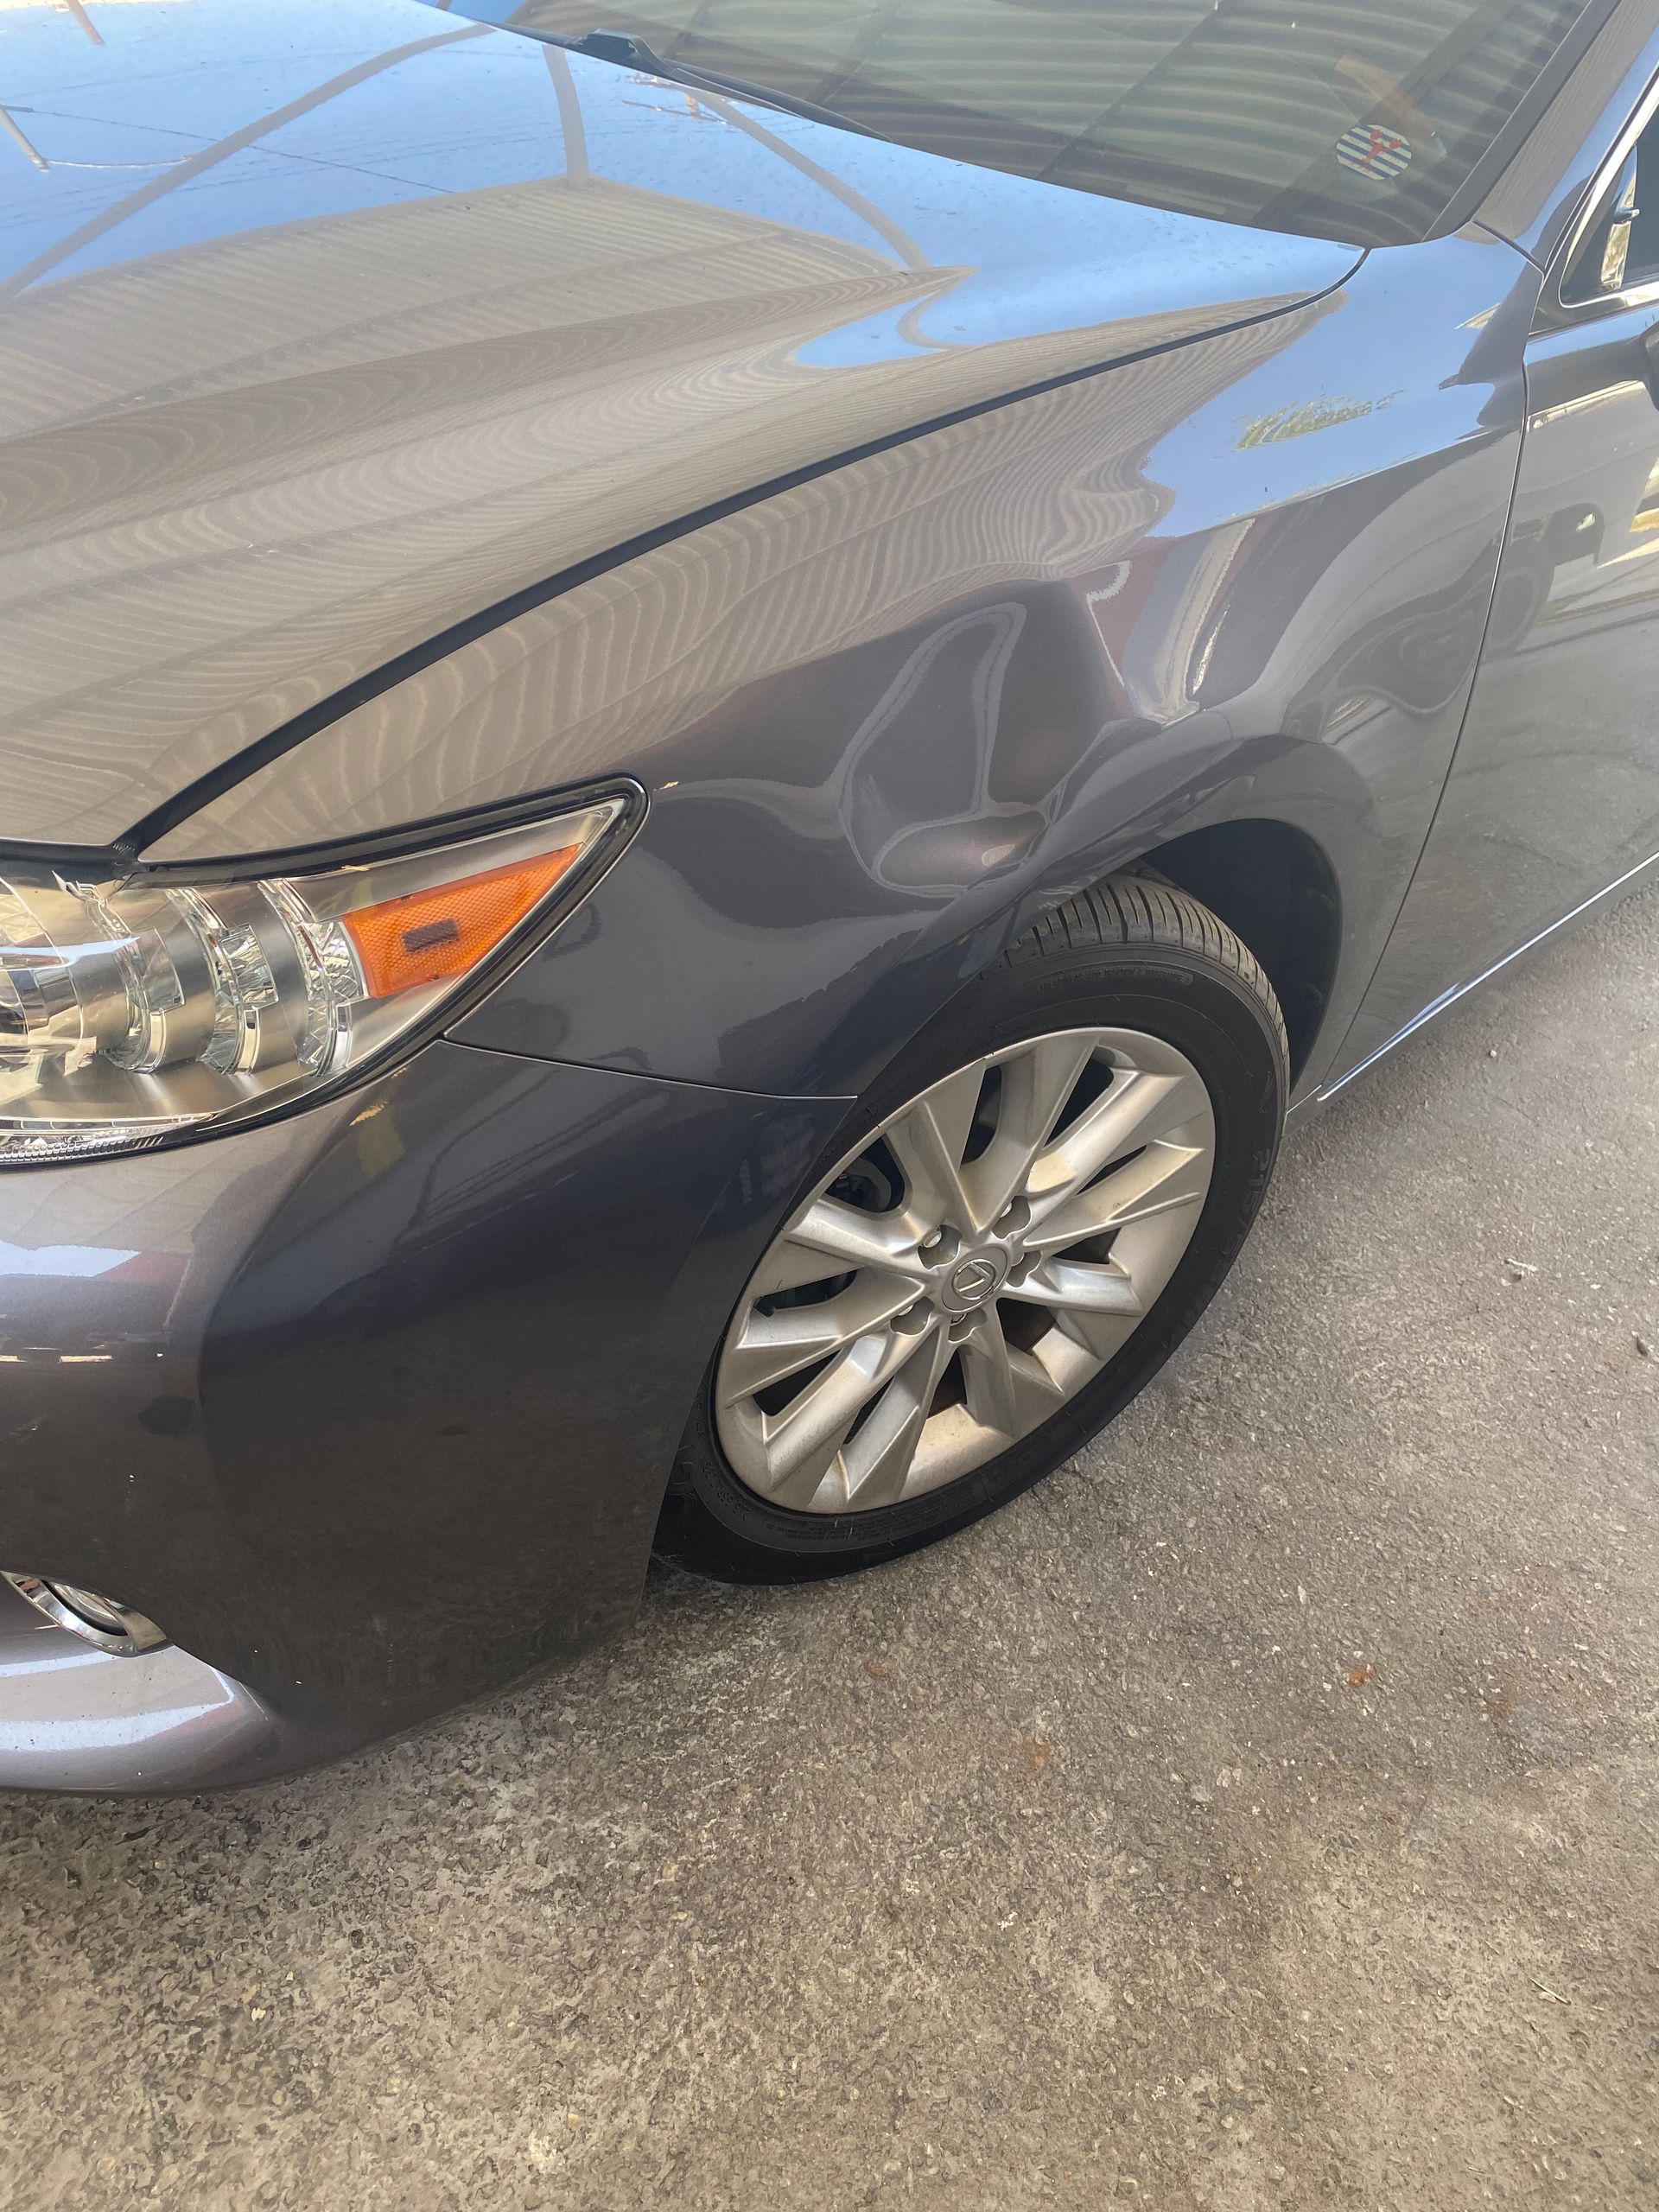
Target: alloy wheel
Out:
[960,1274]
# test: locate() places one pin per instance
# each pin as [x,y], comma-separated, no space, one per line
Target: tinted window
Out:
[1355,119]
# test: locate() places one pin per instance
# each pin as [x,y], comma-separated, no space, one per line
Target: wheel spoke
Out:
[1158,1180]
[768,1348]
[1091,1287]
[803,1441]
[928,1139]
[1036,1084]
[879,1458]
[1149,1250]
[987,1375]
[1096,1304]
[1006,1389]
[832,1238]
[1101,1334]
[1139,1109]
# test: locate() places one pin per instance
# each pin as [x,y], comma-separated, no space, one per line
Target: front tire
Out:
[1010,1235]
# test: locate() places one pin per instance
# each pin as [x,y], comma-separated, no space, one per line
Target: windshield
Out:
[1352,119]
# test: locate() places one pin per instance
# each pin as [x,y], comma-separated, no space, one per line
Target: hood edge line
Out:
[311,720]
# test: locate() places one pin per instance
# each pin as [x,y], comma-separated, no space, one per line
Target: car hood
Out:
[332,323]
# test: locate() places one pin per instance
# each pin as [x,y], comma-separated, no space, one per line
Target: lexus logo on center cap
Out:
[973,1279]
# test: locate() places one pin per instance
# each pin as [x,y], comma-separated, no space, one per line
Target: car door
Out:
[1554,793]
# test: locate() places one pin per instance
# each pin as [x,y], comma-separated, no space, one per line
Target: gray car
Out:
[706,713]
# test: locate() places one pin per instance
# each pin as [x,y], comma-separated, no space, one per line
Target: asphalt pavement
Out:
[1259,1815]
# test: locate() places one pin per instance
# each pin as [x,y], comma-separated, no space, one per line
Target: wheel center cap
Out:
[974,1280]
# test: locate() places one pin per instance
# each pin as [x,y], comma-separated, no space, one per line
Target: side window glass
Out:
[1621,247]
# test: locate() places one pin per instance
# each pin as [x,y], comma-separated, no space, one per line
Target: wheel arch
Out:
[1278,836]
[1275,887]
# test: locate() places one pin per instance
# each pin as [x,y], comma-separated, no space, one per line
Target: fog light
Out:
[87,1614]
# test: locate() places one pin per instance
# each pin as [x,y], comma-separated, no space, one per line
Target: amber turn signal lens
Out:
[427,936]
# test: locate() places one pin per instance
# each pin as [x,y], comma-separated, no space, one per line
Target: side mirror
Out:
[1616,240]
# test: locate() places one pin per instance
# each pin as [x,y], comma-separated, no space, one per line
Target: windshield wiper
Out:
[630,53]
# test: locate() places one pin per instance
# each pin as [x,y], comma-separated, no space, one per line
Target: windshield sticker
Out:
[1377,155]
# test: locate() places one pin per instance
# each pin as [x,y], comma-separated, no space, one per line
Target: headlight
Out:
[135,1009]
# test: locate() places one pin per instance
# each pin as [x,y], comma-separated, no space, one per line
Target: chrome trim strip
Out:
[137,1632]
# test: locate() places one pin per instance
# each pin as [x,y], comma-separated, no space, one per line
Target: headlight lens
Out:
[134,1009]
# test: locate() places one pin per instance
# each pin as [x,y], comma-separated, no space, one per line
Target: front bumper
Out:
[370,1409]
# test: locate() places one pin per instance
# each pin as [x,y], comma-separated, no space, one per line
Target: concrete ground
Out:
[1260,1814]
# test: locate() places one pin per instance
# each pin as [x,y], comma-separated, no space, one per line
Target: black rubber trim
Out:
[299,727]
[95,862]
[435,830]
[106,863]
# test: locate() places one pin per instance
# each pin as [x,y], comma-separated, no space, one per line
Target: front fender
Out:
[890,714]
